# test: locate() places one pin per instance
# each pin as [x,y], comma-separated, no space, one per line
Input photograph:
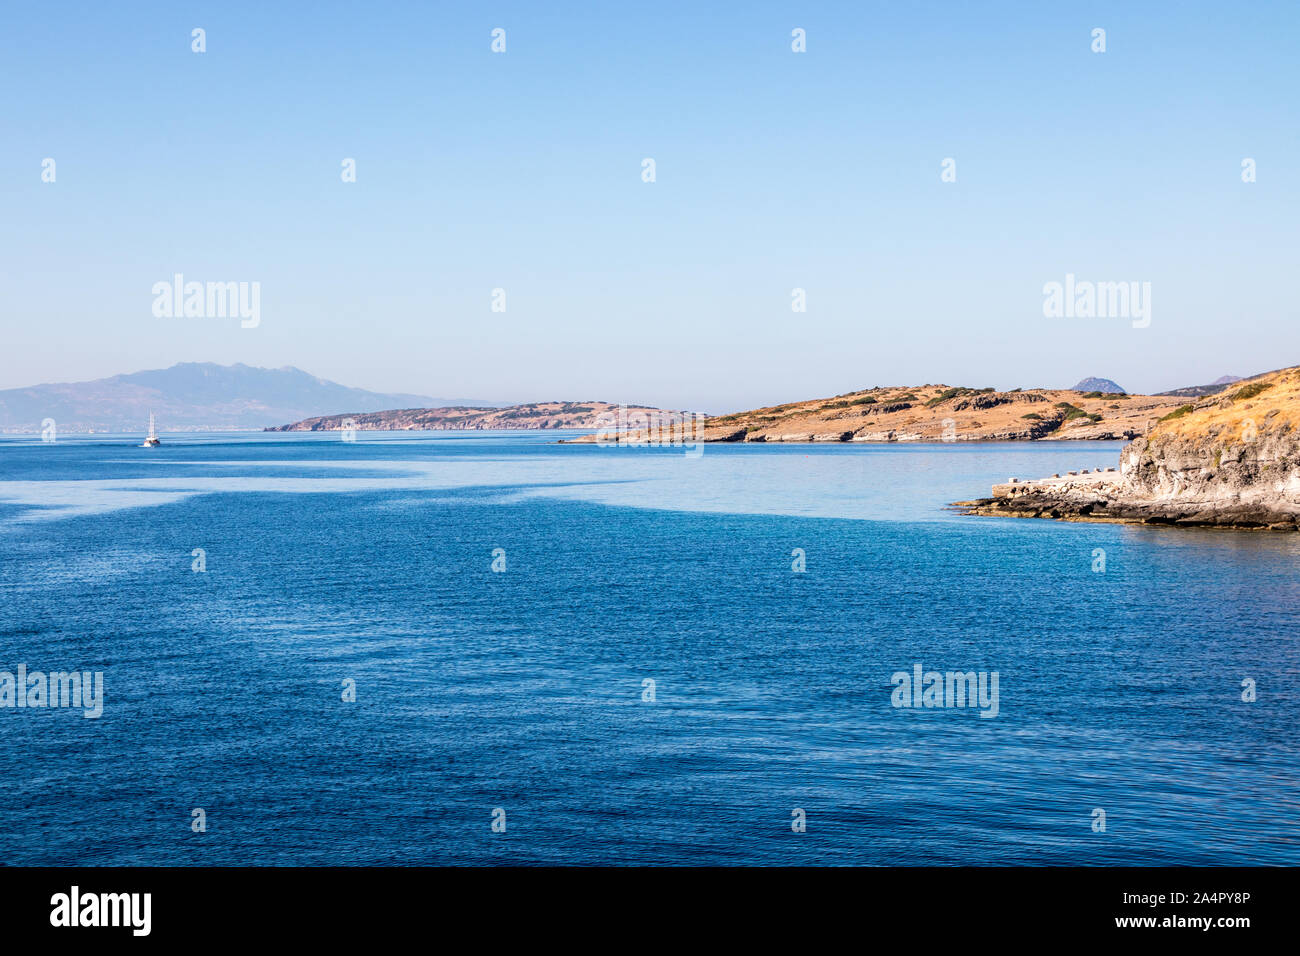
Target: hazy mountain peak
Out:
[1197,391]
[1104,385]
[196,395]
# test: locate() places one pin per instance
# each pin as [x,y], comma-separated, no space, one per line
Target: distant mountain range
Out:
[203,396]
[195,396]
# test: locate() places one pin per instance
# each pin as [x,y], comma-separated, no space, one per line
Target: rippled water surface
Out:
[331,561]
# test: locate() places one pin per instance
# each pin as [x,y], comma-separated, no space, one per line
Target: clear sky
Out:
[775,170]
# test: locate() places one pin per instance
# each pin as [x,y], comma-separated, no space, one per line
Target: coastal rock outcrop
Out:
[1231,461]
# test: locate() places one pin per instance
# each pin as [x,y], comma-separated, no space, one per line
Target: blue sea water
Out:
[522,691]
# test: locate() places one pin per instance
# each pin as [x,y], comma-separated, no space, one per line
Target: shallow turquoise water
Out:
[371,562]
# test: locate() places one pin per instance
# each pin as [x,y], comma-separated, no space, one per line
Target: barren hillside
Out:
[946,413]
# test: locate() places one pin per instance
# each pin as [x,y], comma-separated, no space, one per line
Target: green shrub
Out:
[946,394]
[1178,412]
[1250,391]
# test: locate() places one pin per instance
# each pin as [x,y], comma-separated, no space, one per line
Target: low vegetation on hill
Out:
[1269,401]
[946,413]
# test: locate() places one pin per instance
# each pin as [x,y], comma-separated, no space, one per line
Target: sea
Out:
[492,648]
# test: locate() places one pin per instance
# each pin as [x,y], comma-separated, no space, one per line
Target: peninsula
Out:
[931,413]
[535,415]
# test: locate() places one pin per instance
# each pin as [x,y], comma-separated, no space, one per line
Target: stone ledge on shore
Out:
[1104,497]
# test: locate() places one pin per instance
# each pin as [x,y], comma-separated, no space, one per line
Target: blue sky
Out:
[775,170]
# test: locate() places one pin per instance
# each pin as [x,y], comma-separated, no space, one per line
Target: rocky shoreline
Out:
[1230,462]
[1034,501]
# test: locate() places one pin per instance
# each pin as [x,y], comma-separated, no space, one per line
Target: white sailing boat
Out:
[152,441]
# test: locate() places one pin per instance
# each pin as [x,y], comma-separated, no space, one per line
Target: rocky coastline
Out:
[1227,462]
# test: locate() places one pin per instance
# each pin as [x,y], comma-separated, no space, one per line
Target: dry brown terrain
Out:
[946,413]
[1226,460]
[1269,400]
